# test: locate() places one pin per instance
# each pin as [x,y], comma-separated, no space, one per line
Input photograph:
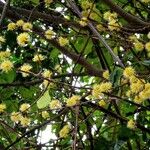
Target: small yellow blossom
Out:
[136,87]
[6,66]
[55,104]
[20,23]
[49,34]
[45,114]
[106,74]
[83,21]
[64,131]
[73,100]
[63,41]
[133,38]
[11,26]
[2,39]
[138,99]
[128,72]
[86,5]
[133,79]
[131,124]
[147,46]
[98,89]
[100,28]
[15,117]
[25,69]
[2,108]
[102,103]
[138,46]
[38,58]
[128,93]
[107,15]
[47,73]
[27,26]
[23,39]
[24,107]
[113,25]
[110,16]
[58,68]
[48,1]
[24,121]
[4,55]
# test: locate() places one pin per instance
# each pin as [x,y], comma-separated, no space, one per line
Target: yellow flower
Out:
[100,28]
[147,46]
[131,124]
[11,26]
[24,107]
[138,46]
[63,41]
[49,34]
[148,35]
[2,108]
[133,79]
[133,38]
[47,73]
[128,72]
[128,93]
[27,26]
[106,74]
[38,58]
[4,55]
[98,90]
[20,23]
[102,103]
[136,87]
[23,39]
[83,21]
[24,121]
[64,131]
[107,15]
[48,1]
[55,104]
[113,25]
[73,100]
[45,114]
[6,66]
[138,99]
[15,117]
[86,4]
[110,16]
[25,68]
[2,39]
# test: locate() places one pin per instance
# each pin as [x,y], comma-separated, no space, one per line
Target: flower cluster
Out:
[74,100]
[112,21]
[55,104]
[23,39]
[131,124]
[2,108]
[98,89]
[64,131]
[25,68]
[6,66]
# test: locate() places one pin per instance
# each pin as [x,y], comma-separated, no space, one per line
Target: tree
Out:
[81,67]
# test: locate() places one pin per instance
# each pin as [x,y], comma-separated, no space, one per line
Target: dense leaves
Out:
[75,74]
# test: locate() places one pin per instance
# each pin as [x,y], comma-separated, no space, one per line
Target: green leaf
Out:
[115,76]
[44,100]
[7,77]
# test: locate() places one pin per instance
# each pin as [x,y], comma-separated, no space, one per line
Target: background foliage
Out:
[100,36]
